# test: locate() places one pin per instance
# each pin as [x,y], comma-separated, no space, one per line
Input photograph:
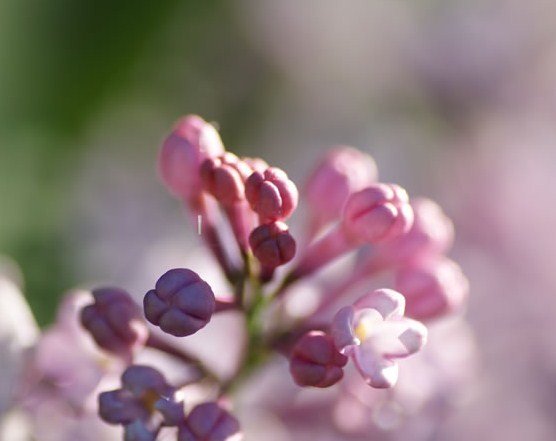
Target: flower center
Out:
[365,323]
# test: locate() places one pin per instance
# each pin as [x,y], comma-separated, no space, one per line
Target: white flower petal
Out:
[377,371]
[389,303]
[396,338]
[342,330]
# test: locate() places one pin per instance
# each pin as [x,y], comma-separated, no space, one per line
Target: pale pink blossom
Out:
[374,333]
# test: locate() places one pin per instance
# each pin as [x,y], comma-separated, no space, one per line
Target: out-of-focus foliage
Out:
[62,63]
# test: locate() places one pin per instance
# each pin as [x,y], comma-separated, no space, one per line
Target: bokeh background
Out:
[455,100]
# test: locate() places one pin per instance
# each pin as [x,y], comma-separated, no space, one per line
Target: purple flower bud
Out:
[344,171]
[272,244]
[191,142]
[224,177]
[271,194]
[181,303]
[115,322]
[432,288]
[316,362]
[209,421]
[143,389]
[377,213]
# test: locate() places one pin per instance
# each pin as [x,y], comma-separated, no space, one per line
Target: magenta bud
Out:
[115,322]
[343,171]
[224,177]
[377,213]
[181,303]
[432,288]
[209,421]
[272,244]
[271,194]
[316,362]
[191,142]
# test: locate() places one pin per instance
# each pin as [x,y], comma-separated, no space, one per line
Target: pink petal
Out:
[377,372]
[389,303]
[342,330]
[396,338]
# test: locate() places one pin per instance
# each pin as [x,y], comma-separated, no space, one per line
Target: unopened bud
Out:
[377,213]
[432,288]
[316,362]
[181,303]
[272,244]
[271,194]
[224,177]
[209,421]
[115,322]
[343,171]
[191,142]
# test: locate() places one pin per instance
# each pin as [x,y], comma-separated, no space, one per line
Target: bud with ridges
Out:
[316,362]
[181,303]
[115,322]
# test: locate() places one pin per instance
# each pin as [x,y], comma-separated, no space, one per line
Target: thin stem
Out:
[159,344]
[205,217]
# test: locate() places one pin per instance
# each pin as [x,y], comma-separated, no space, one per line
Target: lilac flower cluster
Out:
[348,211]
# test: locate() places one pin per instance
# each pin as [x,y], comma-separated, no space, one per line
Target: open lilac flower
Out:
[144,403]
[374,333]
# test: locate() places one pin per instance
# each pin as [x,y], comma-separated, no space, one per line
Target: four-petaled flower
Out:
[374,333]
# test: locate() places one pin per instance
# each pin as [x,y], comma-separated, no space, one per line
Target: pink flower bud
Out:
[256,164]
[224,177]
[115,322]
[272,244]
[316,362]
[181,303]
[271,194]
[431,235]
[209,421]
[191,142]
[432,288]
[377,213]
[344,171]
